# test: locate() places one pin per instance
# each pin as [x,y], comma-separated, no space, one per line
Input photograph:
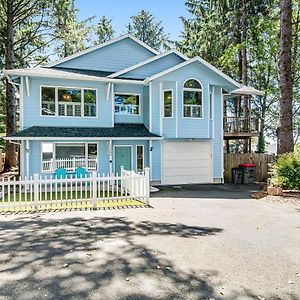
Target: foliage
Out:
[104,30]
[144,27]
[286,171]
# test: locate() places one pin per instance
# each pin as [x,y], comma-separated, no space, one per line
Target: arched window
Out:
[192,99]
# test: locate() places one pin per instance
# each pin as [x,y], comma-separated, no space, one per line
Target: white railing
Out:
[192,111]
[70,164]
[126,109]
[93,191]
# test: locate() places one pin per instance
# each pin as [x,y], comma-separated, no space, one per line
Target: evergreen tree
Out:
[144,27]
[104,30]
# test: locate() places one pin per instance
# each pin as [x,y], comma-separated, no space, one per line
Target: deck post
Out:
[147,186]
[36,191]
[94,189]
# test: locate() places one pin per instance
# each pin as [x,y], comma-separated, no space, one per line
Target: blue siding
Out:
[146,105]
[154,67]
[32,103]
[130,89]
[112,58]
[156,161]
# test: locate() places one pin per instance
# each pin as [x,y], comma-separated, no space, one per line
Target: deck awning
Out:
[247,90]
[118,132]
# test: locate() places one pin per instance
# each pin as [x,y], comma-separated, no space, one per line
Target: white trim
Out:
[161,108]
[150,109]
[114,157]
[112,105]
[107,90]
[81,138]
[110,150]
[193,90]
[147,61]
[27,82]
[21,91]
[150,158]
[186,63]
[176,109]
[112,41]
[56,101]
[136,167]
[163,97]
[27,150]
[128,94]
[58,74]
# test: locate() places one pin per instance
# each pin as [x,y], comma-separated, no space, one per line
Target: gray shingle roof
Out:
[84,72]
[119,131]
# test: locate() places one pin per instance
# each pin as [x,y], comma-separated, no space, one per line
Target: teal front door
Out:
[122,158]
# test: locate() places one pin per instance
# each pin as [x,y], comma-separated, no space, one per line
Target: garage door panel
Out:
[187,162]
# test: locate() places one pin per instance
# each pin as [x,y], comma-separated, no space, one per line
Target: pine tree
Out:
[144,27]
[104,30]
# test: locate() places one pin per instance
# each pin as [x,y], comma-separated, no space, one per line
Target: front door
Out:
[122,158]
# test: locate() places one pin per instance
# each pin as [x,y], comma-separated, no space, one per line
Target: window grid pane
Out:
[48,101]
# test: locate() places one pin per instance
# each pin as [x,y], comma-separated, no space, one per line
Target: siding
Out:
[130,89]
[154,67]
[32,104]
[112,58]
[156,161]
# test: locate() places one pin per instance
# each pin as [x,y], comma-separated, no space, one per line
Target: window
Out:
[69,156]
[168,104]
[126,104]
[140,158]
[71,102]
[192,99]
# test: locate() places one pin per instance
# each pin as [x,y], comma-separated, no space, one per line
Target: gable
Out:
[111,58]
[154,67]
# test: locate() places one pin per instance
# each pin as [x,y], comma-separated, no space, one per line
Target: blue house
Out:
[122,103]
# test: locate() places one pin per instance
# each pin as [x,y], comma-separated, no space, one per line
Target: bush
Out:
[286,171]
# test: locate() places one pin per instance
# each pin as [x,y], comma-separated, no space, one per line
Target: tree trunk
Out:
[10,155]
[285,128]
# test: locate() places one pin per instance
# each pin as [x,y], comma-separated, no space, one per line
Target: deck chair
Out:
[80,172]
[60,173]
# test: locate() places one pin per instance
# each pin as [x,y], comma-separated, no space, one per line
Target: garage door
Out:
[186,162]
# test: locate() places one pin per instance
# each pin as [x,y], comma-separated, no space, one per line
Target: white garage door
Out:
[186,162]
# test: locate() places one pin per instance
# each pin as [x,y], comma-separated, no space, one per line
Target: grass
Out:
[74,200]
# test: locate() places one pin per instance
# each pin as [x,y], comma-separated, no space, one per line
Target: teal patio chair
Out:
[80,172]
[60,173]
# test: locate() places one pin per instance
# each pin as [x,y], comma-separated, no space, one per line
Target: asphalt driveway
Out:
[199,242]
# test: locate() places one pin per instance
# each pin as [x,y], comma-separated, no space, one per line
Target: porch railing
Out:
[126,109]
[70,164]
[241,124]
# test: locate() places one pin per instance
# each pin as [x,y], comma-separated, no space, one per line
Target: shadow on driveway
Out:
[203,191]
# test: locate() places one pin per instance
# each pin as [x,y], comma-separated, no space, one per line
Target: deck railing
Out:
[70,164]
[241,124]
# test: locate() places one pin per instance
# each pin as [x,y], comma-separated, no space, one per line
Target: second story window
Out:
[127,104]
[192,99]
[70,102]
[168,104]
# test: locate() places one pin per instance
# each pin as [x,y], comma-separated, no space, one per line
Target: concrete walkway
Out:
[200,242]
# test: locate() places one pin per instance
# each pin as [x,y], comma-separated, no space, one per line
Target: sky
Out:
[120,11]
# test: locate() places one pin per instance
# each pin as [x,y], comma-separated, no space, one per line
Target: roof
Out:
[147,61]
[83,71]
[122,37]
[119,131]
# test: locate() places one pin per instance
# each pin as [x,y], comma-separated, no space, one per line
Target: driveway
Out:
[199,242]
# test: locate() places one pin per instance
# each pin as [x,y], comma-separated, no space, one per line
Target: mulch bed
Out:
[289,197]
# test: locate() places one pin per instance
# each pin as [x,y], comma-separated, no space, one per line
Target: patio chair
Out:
[80,172]
[60,173]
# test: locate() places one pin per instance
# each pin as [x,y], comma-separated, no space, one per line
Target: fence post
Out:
[36,190]
[94,189]
[122,180]
[147,186]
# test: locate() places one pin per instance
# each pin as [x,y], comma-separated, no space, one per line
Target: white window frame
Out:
[193,90]
[66,143]
[136,157]
[172,105]
[56,87]
[127,94]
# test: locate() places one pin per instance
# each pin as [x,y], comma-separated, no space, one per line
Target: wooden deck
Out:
[240,127]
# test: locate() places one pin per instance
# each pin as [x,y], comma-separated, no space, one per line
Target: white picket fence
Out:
[92,191]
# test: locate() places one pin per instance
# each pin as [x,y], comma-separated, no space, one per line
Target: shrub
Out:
[286,171]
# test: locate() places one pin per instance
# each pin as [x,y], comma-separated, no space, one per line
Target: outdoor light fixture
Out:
[66,97]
